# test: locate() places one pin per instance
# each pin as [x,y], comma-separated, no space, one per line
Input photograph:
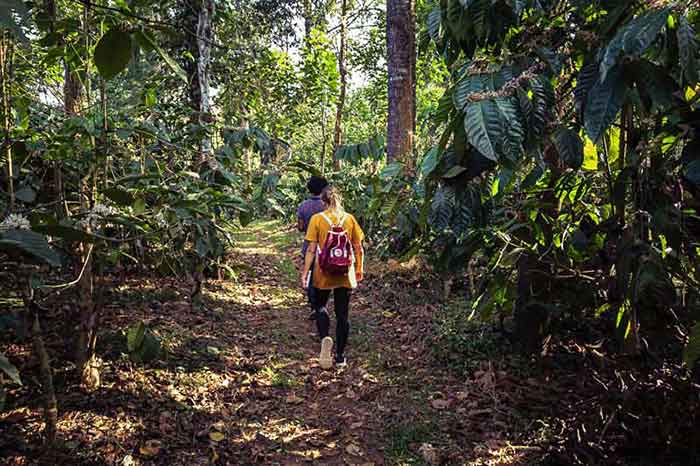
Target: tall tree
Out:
[200,35]
[342,69]
[401,62]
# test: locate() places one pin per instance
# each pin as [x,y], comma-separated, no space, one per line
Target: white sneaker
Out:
[325,358]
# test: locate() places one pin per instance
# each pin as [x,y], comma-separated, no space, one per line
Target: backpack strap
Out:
[340,223]
[325,217]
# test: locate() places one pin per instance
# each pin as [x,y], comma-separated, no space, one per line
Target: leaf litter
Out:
[240,381]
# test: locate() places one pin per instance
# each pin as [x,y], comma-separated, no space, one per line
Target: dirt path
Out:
[240,382]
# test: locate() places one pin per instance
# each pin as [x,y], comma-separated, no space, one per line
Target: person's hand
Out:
[359,275]
[304,283]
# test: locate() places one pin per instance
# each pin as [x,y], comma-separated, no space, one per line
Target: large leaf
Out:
[441,208]
[147,41]
[26,194]
[430,161]
[113,52]
[585,80]
[483,127]
[514,133]
[31,243]
[135,335]
[9,369]
[604,102]
[542,103]
[119,196]
[633,39]
[467,85]
[570,147]
[65,232]
[454,171]
[688,50]
[654,83]
[435,24]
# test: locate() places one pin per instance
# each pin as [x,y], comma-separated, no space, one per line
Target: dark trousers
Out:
[341,298]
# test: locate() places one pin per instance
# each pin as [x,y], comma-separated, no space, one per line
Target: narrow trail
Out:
[240,383]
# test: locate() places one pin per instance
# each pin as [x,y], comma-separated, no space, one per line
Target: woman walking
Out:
[335,241]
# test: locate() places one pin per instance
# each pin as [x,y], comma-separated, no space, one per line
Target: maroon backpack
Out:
[336,256]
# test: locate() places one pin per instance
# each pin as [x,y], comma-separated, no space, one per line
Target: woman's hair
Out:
[333,200]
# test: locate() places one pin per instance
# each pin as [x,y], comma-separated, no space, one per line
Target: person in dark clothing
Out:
[308,209]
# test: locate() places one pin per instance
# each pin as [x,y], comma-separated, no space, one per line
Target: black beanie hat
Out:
[316,184]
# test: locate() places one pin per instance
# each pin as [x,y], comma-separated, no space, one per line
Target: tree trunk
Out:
[531,319]
[6,79]
[401,62]
[200,23]
[308,20]
[88,312]
[45,372]
[338,135]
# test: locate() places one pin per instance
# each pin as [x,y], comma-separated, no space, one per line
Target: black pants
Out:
[341,297]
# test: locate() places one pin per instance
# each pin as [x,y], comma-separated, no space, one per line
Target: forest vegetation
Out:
[527,173]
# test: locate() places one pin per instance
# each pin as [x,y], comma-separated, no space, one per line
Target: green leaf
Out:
[119,196]
[570,147]
[113,53]
[135,336]
[654,83]
[691,353]
[466,86]
[483,127]
[604,102]
[441,208]
[585,80]
[31,243]
[435,24]
[149,350]
[633,39]
[514,134]
[390,171]
[430,161]
[147,41]
[590,155]
[26,194]
[687,50]
[142,344]
[65,232]
[9,369]
[454,171]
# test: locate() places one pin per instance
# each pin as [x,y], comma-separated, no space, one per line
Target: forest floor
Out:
[239,382]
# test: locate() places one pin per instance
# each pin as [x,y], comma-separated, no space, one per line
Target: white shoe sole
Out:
[325,359]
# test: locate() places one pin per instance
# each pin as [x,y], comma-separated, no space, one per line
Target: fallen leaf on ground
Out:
[216,436]
[150,448]
[353,449]
[429,454]
[440,404]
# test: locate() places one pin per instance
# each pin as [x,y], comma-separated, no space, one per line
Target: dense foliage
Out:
[557,145]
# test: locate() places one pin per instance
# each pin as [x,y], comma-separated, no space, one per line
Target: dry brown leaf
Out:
[429,454]
[292,398]
[353,449]
[150,448]
[216,436]
[440,403]
[356,425]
